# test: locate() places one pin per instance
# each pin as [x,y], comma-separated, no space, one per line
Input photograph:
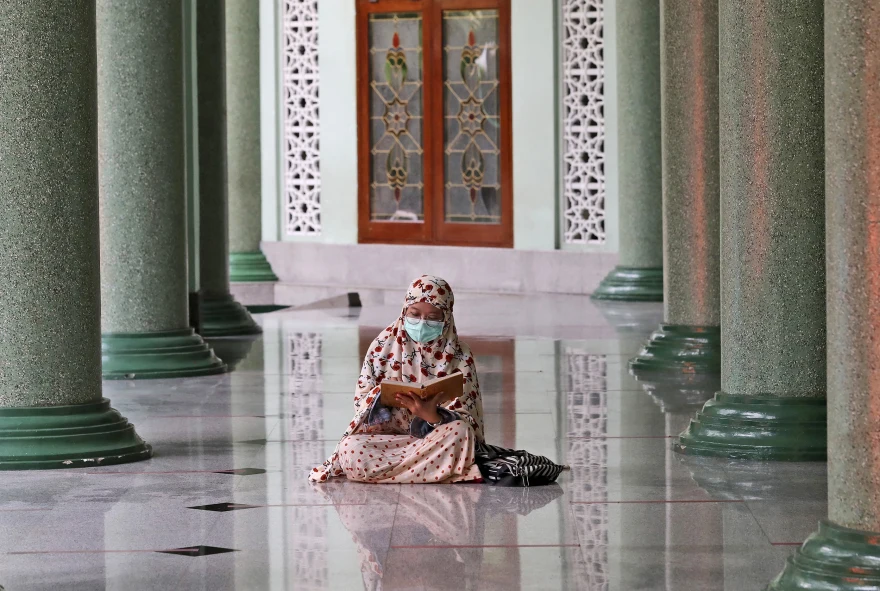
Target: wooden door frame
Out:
[434,230]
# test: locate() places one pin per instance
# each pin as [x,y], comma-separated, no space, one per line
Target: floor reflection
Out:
[555,379]
[233,349]
[443,525]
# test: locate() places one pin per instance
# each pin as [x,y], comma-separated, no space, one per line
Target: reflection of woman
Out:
[432,525]
[420,442]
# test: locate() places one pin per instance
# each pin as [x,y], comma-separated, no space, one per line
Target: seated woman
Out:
[420,442]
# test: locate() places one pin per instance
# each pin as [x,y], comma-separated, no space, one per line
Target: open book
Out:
[451,386]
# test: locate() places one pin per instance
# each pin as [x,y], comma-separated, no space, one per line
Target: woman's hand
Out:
[425,409]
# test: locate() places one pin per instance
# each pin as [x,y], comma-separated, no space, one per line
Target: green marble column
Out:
[689,340]
[52,414]
[221,314]
[772,403]
[639,274]
[246,261]
[144,283]
[844,554]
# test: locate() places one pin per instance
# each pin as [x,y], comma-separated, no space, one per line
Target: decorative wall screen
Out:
[302,177]
[434,122]
[583,126]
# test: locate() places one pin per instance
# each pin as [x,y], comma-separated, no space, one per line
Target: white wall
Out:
[612,219]
[535,106]
[338,121]
[271,123]
[534,89]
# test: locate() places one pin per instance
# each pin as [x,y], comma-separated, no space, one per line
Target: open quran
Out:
[451,386]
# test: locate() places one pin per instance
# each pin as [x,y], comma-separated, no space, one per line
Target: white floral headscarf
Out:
[395,356]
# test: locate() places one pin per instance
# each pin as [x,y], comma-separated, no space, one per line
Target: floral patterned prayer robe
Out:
[387,452]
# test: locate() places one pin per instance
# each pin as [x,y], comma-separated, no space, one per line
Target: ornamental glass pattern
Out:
[472,122]
[396,115]
[434,133]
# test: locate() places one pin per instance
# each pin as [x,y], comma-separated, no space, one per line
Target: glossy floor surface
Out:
[225,504]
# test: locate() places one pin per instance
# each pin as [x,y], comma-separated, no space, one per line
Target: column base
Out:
[681,349]
[222,316]
[835,558]
[758,428]
[631,284]
[74,436]
[250,266]
[170,354]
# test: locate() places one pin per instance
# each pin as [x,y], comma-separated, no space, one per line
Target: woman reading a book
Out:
[410,439]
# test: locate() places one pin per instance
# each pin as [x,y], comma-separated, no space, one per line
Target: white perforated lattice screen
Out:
[302,177]
[583,125]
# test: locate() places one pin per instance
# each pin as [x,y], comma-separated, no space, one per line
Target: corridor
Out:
[224,503]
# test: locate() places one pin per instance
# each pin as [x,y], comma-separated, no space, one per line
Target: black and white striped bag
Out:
[515,467]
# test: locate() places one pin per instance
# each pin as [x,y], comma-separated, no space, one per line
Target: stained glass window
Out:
[433,122]
[396,117]
[471,105]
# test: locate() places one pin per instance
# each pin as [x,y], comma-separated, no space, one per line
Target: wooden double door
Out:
[434,111]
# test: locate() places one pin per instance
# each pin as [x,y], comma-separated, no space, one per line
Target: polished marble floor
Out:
[225,504]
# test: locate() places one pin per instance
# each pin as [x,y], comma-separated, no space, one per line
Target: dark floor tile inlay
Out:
[223,507]
[241,471]
[197,551]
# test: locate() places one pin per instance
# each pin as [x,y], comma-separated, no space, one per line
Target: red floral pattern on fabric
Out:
[446,455]
[389,356]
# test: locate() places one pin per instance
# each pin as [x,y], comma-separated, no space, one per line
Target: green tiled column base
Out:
[171,354]
[835,558]
[250,266]
[75,436]
[758,428]
[222,316]
[681,349]
[631,284]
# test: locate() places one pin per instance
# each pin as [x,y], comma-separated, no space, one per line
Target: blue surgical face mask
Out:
[423,331]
